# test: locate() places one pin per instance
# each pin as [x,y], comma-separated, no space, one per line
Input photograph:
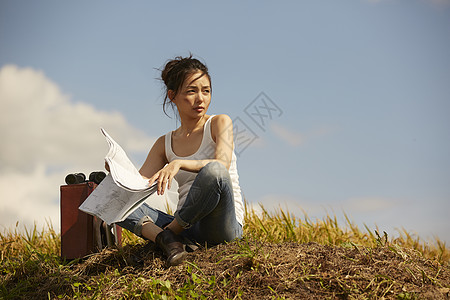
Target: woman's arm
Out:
[222,134]
[156,159]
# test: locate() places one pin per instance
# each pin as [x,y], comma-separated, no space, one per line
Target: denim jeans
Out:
[208,214]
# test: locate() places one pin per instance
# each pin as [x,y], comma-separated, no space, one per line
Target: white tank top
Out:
[205,151]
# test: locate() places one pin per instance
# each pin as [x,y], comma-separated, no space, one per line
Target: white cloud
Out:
[287,203]
[294,138]
[290,137]
[368,204]
[44,136]
[358,206]
[388,214]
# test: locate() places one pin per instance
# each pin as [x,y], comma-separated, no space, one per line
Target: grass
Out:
[280,226]
[280,257]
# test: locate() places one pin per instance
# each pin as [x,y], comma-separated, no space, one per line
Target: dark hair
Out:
[175,72]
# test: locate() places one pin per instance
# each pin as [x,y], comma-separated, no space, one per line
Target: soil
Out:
[253,270]
[239,270]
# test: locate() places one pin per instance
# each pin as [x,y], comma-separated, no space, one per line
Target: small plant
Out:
[280,257]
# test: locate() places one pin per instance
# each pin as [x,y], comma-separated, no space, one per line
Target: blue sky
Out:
[362,87]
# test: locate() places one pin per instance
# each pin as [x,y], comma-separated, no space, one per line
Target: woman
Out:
[199,156]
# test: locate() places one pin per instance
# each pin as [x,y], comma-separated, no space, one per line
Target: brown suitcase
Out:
[82,234]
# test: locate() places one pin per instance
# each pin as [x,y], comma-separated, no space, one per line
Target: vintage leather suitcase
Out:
[83,234]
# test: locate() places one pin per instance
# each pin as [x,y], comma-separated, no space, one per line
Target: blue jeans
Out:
[208,214]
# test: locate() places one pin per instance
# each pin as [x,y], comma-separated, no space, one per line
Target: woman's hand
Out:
[165,176]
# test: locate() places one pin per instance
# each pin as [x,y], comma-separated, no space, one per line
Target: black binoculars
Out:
[76,178]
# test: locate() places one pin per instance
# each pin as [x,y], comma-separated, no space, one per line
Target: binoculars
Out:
[76,178]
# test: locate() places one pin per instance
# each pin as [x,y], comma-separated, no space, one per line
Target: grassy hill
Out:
[280,257]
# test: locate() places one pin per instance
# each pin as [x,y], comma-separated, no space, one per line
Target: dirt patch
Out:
[313,271]
[252,270]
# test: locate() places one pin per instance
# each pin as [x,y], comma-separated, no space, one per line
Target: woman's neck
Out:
[191,125]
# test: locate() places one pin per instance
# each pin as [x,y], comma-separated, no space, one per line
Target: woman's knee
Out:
[215,169]
[137,230]
[134,224]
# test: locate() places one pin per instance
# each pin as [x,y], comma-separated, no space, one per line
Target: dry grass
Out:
[281,257]
[280,226]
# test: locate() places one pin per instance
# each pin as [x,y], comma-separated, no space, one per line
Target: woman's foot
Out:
[172,246]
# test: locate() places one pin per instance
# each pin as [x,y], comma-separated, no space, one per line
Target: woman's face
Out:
[194,96]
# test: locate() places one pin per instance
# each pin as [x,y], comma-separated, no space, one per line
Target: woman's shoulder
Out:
[161,139]
[160,143]
[221,124]
[220,120]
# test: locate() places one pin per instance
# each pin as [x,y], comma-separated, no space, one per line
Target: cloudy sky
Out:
[340,106]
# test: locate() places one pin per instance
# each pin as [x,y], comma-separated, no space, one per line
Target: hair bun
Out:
[165,73]
[175,72]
